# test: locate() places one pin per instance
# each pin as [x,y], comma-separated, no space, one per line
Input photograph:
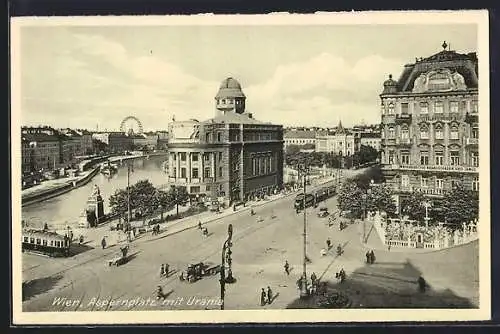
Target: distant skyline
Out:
[81,77]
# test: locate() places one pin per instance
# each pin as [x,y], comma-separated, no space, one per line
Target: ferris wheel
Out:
[131,124]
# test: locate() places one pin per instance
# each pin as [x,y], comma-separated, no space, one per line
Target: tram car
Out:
[324,193]
[195,272]
[45,242]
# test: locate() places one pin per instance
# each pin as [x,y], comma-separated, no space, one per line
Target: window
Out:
[453,106]
[206,156]
[439,183]
[439,158]
[183,173]
[424,107]
[424,132]
[424,158]
[220,156]
[454,133]
[52,242]
[405,133]
[475,133]
[174,156]
[404,108]
[32,240]
[208,188]
[261,165]
[405,158]
[391,108]
[455,184]
[38,241]
[183,156]
[439,132]
[382,109]
[475,184]
[405,181]
[195,157]
[454,158]
[44,242]
[438,107]
[25,239]
[475,159]
[207,172]
[392,132]
[195,189]
[391,157]
[223,101]
[424,182]
[220,172]
[473,106]
[174,172]
[254,166]
[194,173]
[207,137]
[219,136]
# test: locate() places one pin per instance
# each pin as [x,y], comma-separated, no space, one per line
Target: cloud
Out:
[92,77]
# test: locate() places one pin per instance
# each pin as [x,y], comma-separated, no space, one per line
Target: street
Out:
[86,283]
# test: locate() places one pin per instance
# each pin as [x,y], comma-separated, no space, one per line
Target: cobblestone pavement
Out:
[259,252]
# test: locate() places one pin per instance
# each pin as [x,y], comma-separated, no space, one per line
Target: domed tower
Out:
[390,86]
[230,97]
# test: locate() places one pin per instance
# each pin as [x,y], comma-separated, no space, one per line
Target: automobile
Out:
[323,212]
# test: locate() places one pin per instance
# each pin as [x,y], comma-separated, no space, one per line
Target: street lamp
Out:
[303,287]
[226,255]
[365,212]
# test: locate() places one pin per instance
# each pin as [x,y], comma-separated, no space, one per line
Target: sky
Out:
[95,76]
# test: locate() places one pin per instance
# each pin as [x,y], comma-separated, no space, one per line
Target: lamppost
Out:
[365,212]
[226,255]
[427,205]
[303,286]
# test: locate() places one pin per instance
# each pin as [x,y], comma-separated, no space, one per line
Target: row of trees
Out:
[294,155]
[146,200]
[458,205]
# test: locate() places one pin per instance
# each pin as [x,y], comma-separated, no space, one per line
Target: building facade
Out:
[233,155]
[115,141]
[299,137]
[371,139]
[42,149]
[341,142]
[430,126]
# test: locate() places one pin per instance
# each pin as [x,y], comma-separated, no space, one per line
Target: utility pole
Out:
[226,252]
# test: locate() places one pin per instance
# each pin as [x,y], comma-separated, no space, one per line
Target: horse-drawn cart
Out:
[119,260]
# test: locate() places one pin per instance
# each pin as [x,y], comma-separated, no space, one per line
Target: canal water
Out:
[66,209]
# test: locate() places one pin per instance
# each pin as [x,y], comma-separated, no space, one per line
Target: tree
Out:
[143,198]
[164,201]
[413,206]
[350,198]
[292,149]
[380,199]
[179,196]
[364,155]
[460,206]
[118,203]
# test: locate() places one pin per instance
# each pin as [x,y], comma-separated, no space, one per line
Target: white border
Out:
[268,316]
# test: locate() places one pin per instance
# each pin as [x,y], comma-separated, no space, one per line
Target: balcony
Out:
[404,142]
[471,117]
[195,180]
[440,118]
[437,168]
[471,141]
[403,118]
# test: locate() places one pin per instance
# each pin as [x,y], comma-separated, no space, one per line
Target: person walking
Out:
[103,242]
[328,244]
[421,284]
[287,268]
[262,297]
[199,224]
[167,269]
[368,257]
[372,257]
[269,295]
[162,270]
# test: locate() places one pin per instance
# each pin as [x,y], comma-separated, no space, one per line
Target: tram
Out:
[45,242]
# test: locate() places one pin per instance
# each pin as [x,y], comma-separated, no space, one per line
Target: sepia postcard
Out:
[280,168]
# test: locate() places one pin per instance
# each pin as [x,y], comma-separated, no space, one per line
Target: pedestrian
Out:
[368,257]
[287,268]
[103,242]
[81,239]
[328,244]
[314,279]
[162,270]
[269,295]
[389,247]
[167,269]
[342,275]
[421,284]
[262,297]
[372,257]
[199,224]
[45,227]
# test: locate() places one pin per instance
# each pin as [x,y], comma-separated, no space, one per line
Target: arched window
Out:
[439,132]
[424,107]
[382,109]
[392,132]
[454,132]
[391,108]
[438,107]
[424,132]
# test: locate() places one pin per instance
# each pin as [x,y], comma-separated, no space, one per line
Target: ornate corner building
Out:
[430,128]
[232,155]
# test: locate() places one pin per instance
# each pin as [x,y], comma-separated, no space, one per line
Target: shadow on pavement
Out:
[387,285]
[77,248]
[38,286]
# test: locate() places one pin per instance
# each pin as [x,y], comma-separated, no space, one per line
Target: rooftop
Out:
[234,118]
[300,134]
